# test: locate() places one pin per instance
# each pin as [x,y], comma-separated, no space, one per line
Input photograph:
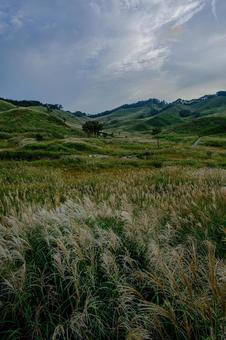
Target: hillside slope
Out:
[36,119]
[202,116]
[209,125]
[142,117]
[4,106]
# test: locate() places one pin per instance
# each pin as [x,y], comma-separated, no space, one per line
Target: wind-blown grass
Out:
[127,255]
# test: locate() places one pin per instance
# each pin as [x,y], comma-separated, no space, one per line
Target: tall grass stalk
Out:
[136,255]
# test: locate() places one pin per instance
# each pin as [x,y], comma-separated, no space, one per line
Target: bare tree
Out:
[155,133]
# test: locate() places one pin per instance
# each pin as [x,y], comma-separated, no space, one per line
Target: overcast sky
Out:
[93,55]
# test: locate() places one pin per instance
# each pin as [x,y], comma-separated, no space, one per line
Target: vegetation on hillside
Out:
[107,235]
[31,103]
[24,120]
[205,116]
[92,128]
[146,115]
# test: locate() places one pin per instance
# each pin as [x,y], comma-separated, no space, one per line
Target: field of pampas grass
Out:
[128,255]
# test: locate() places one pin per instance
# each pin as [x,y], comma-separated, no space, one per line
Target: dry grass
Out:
[135,255]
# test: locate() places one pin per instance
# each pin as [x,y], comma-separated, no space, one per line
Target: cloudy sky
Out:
[93,55]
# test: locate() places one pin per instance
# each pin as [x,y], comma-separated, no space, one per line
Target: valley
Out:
[118,236]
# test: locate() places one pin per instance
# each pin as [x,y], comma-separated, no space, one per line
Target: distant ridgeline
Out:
[79,114]
[152,101]
[151,108]
[158,106]
[29,103]
[221,94]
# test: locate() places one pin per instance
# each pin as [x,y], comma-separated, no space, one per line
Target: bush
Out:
[39,137]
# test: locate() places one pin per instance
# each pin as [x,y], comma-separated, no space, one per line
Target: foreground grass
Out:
[138,254]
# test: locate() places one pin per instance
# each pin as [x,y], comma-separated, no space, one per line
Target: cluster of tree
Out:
[92,128]
[150,102]
[23,103]
[27,103]
[51,107]
[221,93]
[79,114]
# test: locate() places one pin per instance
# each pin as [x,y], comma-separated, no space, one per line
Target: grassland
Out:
[113,238]
[33,121]
[110,238]
[135,254]
[203,116]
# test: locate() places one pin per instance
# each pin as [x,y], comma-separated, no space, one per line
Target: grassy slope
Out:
[204,126]
[4,106]
[70,119]
[18,120]
[126,119]
[137,120]
[24,119]
[213,105]
[111,247]
[140,119]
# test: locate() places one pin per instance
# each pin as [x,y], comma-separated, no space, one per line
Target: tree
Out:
[92,128]
[49,109]
[155,133]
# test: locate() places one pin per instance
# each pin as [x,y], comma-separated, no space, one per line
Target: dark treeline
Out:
[27,103]
[141,103]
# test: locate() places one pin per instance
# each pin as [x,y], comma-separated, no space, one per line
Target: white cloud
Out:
[136,24]
[214,9]
[109,49]
[17,20]
[123,35]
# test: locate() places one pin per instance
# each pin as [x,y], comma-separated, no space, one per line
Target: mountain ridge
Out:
[156,100]
[141,117]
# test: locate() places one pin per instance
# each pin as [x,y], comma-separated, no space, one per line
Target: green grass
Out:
[112,238]
[23,120]
[36,120]
[4,106]
[203,126]
[214,141]
[128,246]
[203,116]
[134,254]
[92,153]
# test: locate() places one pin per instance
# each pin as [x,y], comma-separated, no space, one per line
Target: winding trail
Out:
[196,143]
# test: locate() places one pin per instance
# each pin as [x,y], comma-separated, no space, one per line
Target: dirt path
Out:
[196,143]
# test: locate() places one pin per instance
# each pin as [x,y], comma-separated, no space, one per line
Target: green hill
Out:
[32,120]
[202,116]
[185,115]
[4,106]
[203,126]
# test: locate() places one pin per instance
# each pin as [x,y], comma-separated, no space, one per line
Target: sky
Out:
[94,55]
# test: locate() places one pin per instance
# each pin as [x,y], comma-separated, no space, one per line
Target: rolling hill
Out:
[203,115]
[37,119]
[5,106]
